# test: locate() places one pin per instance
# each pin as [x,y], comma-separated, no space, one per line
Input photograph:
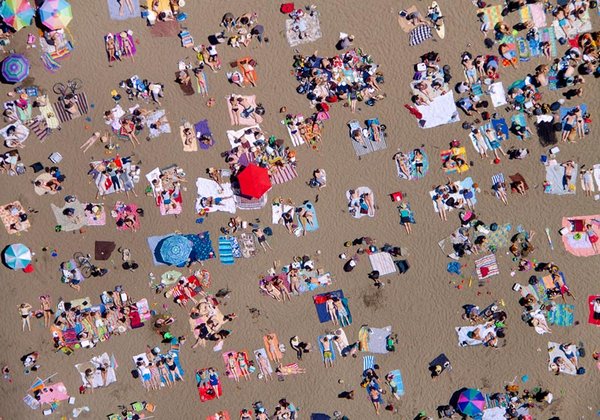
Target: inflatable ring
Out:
[577,236]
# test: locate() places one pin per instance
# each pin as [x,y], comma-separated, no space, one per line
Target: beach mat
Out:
[202,129]
[282,174]
[331,346]
[315,223]
[395,382]
[64,116]
[113,10]
[562,315]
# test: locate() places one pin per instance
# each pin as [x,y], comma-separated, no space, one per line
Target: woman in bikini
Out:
[243,365]
[46,304]
[235,109]
[173,368]
[111,49]
[126,46]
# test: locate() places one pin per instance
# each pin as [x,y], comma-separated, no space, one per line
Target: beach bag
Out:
[287,8]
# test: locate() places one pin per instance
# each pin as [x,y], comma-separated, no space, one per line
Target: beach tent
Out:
[254,181]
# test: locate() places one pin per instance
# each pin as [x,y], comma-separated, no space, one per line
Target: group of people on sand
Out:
[325,80]
[50,182]
[240,31]
[160,369]
[284,410]
[454,196]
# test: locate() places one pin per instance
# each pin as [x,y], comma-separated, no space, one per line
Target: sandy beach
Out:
[423,306]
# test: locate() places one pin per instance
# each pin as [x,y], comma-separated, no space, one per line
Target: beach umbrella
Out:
[17,256]
[17,13]
[471,402]
[254,181]
[15,68]
[55,14]
[175,250]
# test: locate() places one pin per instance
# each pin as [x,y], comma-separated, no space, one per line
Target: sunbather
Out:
[327,351]
[263,365]
[305,217]
[331,310]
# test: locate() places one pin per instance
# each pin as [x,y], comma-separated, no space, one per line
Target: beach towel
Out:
[441,110]
[383,263]
[243,203]
[368,362]
[519,119]
[511,55]
[49,115]
[311,33]
[114,10]
[209,387]
[357,207]
[494,413]
[247,117]
[8,218]
[152,119]
[594,317]
[64,116]
[556,183]
[320,299]
[247,245]
[497,94]
[121,211]
[576,26]
[244,72]
[517,178]
[187,88]
[564,110]
[282,174]
[465,184]
[363,146]
[533,12]
[119,44]
[574,237]
[331,346]
[296,140]
[562,315]
[454,160]
[556,352]
[53,394]
[193,146]
[464,338]
[263,353]
[43,178]
[493,14]
[419,34]
[234,355]
[277,210]
[303,224]
[523,49]
[376,145]
[49,63]
[413,165]
[202,129]
[394,380]
[486,267]
[225,251]
[548,35]
[497,179]
[103,361]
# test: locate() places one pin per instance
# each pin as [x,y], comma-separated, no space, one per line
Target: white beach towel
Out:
[209,188]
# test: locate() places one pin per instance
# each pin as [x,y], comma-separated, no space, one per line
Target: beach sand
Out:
[422,306]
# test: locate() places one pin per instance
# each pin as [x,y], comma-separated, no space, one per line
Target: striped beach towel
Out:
[486,267]
[497,179]
[49,63]
[39,127]
[493,14]
[283,174]
[368,362]
[82,107]
[225,251]
[243,203]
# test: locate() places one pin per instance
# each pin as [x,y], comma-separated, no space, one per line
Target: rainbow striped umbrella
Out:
[17,13]
[55,14]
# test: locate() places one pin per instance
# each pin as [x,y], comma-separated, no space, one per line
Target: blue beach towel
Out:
[315,223]
[519,119]
[368,362]
[562,315]
[331,346]
[396,382]
[225,251]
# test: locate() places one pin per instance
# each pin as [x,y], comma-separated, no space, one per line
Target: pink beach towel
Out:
[578,243]
[244,119]
[53,393]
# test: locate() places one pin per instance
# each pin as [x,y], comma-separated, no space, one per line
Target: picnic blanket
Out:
[486,267]
[103,361]
[311,33]
[10,218]
[187,88]
[441,110]
[66,223]
[574,236]
[560,353]
[383,263]
[419,34]
[115,12]
[576,26]
[64,116]
[244,118]
[373,340]
[562,315]
[557,183]
[208,188]
[121,211]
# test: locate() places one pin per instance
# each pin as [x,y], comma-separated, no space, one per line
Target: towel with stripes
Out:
[39,127]
[225,251]
[82,107]
[486,267]
[497,180]
[243,203]
[283,174]
[368,362]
